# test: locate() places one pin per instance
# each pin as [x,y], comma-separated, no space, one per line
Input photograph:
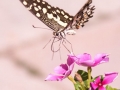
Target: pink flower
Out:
[99,82]
[62,71]
[85,59]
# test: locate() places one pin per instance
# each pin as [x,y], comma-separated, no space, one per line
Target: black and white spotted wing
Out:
[57,19]
[83,15]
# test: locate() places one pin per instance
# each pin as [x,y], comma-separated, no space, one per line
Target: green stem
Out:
[82,86]
[76,85]
[71,79]
[89,69]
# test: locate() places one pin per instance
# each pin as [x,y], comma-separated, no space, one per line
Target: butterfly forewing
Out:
[54,17]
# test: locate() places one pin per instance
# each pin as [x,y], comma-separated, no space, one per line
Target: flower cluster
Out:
[81,77]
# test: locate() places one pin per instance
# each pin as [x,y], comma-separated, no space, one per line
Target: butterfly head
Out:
[56,33]
[59,35]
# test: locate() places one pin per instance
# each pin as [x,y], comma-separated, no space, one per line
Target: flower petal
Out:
[100,58]
[85,60]
[109,77]
[52,77]
[101,88]
[84,57]
[61,69]
[70,60]
[95,84]
[67,73]
[88,63]
[98,80]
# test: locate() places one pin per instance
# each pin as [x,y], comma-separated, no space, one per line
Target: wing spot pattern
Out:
[25,3]
[58,11]
[36,9]
[49,7]
[39,7]
[34,4]
[37,14]
[30,7]
[62,12]
[50,16]
[66,16]
[44,10]
[43,2]
[38,1]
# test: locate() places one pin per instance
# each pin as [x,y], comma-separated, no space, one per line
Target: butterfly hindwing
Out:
[83,15]
[54,17]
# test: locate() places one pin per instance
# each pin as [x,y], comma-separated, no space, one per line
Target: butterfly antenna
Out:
[41,27]
[46,44]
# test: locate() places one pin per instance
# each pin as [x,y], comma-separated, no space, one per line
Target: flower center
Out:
[99,84]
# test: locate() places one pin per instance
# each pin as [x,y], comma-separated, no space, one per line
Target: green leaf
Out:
[110,88]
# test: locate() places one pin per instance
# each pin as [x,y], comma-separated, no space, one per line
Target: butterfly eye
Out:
[55,33]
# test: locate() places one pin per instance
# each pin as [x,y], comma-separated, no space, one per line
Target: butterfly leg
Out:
[52,45]
[65,46]
[57,50]
[46,44]
[64,41]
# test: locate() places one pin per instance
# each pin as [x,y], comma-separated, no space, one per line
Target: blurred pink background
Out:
[24,64]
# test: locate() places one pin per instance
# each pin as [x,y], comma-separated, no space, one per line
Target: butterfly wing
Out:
[83,15]
[54,17]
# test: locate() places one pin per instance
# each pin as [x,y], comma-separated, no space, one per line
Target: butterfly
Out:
[57,19]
